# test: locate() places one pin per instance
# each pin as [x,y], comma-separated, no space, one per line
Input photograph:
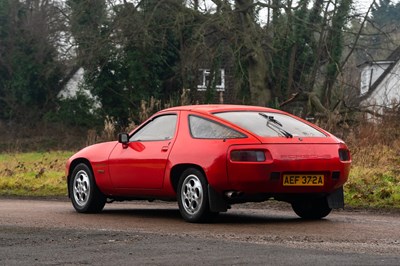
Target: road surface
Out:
[50,232]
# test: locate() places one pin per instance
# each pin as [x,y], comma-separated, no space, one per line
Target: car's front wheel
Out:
[311,209]
[85,196]
[193,196]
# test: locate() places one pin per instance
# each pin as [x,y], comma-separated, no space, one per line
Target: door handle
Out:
[164,148]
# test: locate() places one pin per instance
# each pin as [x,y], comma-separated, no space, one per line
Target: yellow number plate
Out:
[303,180]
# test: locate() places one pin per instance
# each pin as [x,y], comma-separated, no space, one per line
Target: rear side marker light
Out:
[248,156]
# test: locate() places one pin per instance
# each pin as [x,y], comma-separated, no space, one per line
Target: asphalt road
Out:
[50,232]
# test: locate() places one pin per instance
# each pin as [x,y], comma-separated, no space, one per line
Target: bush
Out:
[80,110]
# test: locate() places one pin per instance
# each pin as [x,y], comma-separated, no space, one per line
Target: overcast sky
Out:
[362,5]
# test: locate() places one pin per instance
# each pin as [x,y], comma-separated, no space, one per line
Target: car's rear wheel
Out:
[84,193]
[193,196]
[311,209]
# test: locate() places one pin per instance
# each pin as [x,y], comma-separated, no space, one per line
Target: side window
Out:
[160,128]
[206,129]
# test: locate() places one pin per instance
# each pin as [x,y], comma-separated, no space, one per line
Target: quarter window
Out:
[206,129]
[160,128]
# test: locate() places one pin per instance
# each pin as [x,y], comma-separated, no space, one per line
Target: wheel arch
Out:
[177,170]
[216,201]
[72,166]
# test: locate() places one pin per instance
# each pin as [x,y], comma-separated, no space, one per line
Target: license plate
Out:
[303,180]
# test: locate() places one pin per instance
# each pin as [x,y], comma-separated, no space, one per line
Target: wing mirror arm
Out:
[123,138]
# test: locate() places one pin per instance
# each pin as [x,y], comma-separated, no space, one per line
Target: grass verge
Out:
[33,174]
[374,179]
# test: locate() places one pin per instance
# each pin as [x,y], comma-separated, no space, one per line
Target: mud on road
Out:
[42,232]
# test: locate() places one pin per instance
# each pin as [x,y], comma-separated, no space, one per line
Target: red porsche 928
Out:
[208,157]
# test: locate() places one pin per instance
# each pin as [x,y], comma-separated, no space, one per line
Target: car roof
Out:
[215,108]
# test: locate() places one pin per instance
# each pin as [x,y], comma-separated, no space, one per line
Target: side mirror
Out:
[123,138]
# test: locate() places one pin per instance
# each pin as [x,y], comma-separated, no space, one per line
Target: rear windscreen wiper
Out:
[276,125]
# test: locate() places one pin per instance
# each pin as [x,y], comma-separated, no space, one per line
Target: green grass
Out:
[33,174]
[374,179]
[370,188]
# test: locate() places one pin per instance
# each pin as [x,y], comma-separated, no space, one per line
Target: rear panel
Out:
[290,168]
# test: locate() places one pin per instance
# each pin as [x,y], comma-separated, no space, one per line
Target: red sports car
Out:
[208,157]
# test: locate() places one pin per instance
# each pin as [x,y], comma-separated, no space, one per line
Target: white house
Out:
[73,86]
[380,83]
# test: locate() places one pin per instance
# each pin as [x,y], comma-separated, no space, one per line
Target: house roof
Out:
[370,63]
[395,58]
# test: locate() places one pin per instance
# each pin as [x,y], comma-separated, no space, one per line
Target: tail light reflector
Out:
[248,156]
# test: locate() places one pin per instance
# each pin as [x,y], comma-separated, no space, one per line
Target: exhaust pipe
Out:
[233,194]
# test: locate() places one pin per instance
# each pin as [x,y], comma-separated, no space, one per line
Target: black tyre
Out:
[311,209]
[85,196]
[193,196]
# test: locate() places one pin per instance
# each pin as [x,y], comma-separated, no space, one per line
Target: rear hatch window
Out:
[268,124]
